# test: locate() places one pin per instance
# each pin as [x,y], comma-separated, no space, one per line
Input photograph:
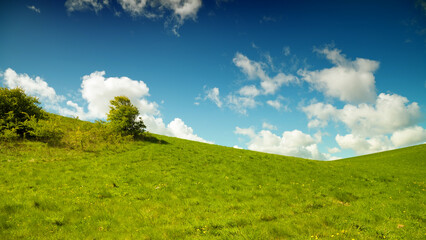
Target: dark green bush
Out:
[16,108]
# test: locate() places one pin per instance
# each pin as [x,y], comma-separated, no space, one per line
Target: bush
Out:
[122,117]
[44,130]
[95,137]
[16,108]
[8,135]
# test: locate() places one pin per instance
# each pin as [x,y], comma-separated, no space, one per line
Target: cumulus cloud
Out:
[409,136]
[363,145]
[32,86]
[255,70]
[82,5]
[176,128]
[291,143]
[370,125]
[319,114]
[389,113]
[33,8]
[179,129]
[98,90]
[349,81]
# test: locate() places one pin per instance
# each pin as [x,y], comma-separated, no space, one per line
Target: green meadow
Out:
[169,188]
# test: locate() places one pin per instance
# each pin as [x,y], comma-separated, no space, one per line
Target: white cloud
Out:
[371,124]
[249,91]
[33,8]
[240,104]
[245,98]
[83,5]
[320,114]
[35,87]
[213,95]
[255,70]
[134,7]
[181,10]
[364,145]
[236,146]
[269,126]
[409,136]
[350,81]
[274,103]
[179,129]
[277,104]
[390,113]
[98,91]
[245,131]
[176,128]
[291,143]
[333,150]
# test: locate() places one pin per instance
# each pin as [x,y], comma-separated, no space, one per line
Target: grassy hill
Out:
[169,188]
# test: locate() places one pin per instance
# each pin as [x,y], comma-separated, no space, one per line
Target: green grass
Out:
[180,189]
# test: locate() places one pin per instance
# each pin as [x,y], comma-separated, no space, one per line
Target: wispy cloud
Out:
[33,8]
[422,5]
[266,19]
[174,12]
[83,5]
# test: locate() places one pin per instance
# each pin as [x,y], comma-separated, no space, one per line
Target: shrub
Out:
[44,130]
[8,135]
[16,108]
[122,117]
[95,137]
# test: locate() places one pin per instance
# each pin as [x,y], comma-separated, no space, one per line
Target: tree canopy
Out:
[123,117]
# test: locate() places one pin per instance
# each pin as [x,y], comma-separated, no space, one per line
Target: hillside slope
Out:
[176,189]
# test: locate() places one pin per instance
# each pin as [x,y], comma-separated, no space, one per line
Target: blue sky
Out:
[316,79]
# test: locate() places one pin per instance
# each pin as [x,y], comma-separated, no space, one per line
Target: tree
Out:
[16,108]
[123,117]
